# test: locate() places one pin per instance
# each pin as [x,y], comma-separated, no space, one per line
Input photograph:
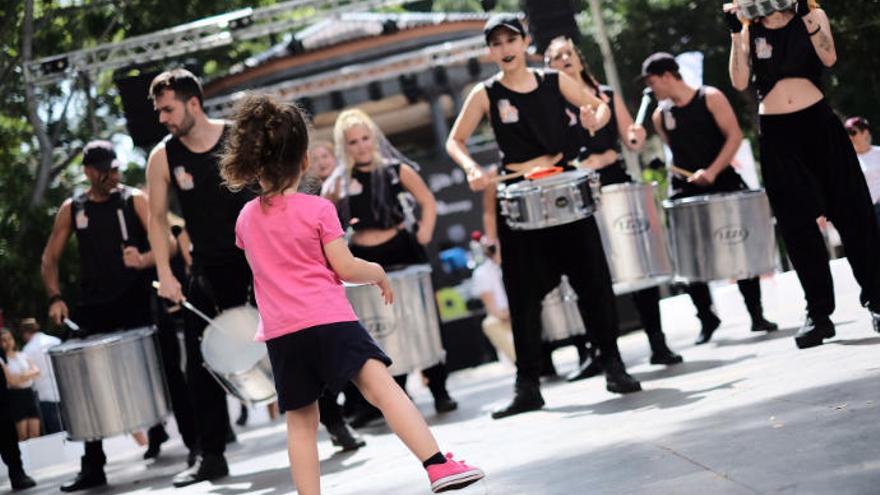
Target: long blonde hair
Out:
[345,121]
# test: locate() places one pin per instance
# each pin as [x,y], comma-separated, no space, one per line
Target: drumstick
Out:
[680,171]
[643,109]
[73,326]
[122,227]
[186,304]
[503,177]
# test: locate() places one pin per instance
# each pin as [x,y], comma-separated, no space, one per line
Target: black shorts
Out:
[22,403]
[317,360]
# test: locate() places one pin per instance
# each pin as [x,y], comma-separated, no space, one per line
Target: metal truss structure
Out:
[211,32]
[361,74]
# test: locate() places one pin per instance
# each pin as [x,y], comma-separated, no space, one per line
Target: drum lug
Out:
[579,197]
[595,187]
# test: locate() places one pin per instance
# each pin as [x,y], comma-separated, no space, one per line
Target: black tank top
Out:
[782,53]
[99,234]
[696,140]
[209,208]
[528,125]
[582,145]
[376,204]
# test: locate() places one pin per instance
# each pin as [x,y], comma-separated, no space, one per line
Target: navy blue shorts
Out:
[317,360]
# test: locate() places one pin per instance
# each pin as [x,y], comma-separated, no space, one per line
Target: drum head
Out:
[101,340]
[228,345]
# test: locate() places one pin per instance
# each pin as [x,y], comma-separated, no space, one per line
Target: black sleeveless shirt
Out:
[99,234]
[373,197]
[696,140]
[582,145]
[782,53]
[209,208]
[528,125]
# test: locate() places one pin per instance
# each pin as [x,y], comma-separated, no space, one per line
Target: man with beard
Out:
[187,162]
[109,220]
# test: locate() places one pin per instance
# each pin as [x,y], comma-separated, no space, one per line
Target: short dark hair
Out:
[183,82]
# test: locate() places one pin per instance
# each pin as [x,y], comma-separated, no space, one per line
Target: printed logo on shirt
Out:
[669,120]
[572,117]
[82,221]
[509,114]
[355,187]
[763,49]
[184,180]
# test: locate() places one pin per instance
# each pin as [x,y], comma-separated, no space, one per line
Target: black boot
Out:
[710,323]
[761,324]
[660,352]
[341,435]
[20,480]
[527,397]
[814,331]
[548,369]
[207,467]
[91,475]
[444,404]
[242,416]
[157,436]
[617,380]
[875,319]
[364,415]
[590,367]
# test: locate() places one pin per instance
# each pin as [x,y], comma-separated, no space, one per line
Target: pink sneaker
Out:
[452,475]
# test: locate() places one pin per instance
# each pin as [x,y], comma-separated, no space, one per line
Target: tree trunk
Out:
[45,144]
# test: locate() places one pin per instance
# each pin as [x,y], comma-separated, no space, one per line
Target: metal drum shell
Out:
[721,236]
[239,363]
[558,200]
[110,384]
[633,237]
[408,330]
[560,315]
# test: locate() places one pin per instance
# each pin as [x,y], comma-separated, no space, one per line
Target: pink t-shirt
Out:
[293,282]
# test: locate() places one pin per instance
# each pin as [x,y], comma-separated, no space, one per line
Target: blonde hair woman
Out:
[377,180]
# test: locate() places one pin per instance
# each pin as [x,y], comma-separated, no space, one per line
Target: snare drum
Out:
[721,236]
[633,237]
[560,316]
[542,203]
[110,383]
[238,362]
[408,330]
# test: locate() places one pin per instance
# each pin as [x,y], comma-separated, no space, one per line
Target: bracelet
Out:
[816,31]
[55,298]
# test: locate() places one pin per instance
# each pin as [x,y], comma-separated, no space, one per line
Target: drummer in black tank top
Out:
[601,152]
[700,127]
[109,221]
[526,110]
[188,163]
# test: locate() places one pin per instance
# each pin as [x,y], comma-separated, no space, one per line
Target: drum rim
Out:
[711,198]
[418,269]
[521,187]
[112,338]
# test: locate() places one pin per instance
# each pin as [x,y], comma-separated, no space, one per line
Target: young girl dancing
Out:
[294,244]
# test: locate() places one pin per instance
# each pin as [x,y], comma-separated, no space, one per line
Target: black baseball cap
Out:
[508,21]
[658,64]
[100,156]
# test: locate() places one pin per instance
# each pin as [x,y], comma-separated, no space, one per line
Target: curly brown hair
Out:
[266,148]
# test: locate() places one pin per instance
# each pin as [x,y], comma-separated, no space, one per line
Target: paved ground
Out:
[744,414]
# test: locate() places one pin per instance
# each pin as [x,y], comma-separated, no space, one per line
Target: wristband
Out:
[55,298]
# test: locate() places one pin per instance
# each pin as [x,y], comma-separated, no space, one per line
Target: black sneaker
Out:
[814,332]
[761,324]
[156,440]
[445,404]
[21,481]
[875,320]
[207,467]
[592,366]
[666,357]
[342,435]
[85,480]
[617,380]
[710,323]
[526,398]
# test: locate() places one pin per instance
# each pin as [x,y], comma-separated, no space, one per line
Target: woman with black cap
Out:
[526,109]
[809,166]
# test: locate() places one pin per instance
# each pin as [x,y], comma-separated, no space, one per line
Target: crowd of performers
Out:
[266,215]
